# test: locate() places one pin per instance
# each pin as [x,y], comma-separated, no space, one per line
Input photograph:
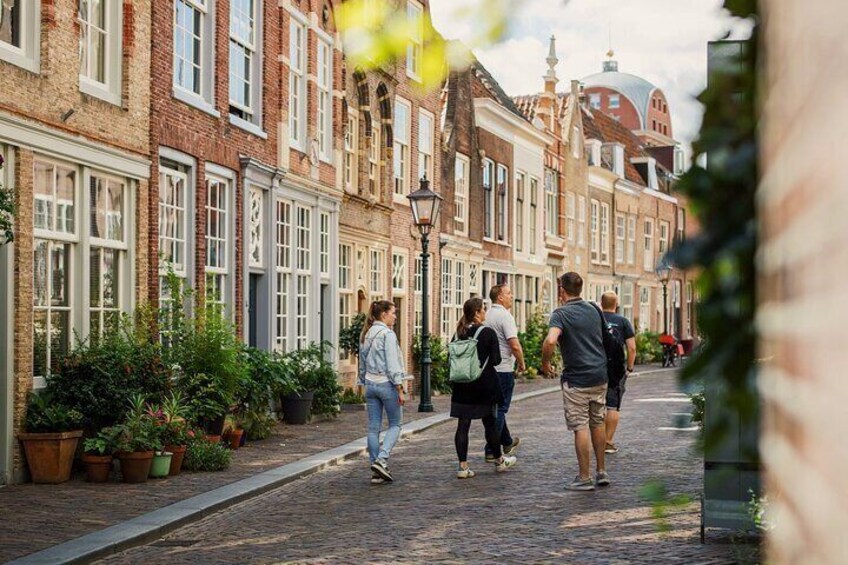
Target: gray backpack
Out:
[464,363]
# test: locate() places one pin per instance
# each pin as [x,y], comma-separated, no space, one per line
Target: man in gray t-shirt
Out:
[501,320]
[577,327]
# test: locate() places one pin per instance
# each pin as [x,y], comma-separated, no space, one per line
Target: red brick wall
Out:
[626,113]
[501,152]
[658,112]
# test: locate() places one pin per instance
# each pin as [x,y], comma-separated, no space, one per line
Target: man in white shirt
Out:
[512,357]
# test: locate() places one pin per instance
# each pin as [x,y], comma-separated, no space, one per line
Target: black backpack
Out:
[614,349]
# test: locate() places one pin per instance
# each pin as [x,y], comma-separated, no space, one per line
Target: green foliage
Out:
[439,366]
[350,396]
[104,443]
[349,336]
[258,424]
[315,374]
[204,455]
[7,212]
[648,348]
[173,427]
[268,374]
[205,353]
[698,405]
[723,197]
[46,414]
[531,339]
[758,512]
[662,502]
[99,377]
[139,431]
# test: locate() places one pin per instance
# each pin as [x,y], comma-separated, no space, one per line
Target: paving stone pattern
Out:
[46,515]
[427,515]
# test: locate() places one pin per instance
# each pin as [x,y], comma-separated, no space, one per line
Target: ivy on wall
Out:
[722,196]
[7,211]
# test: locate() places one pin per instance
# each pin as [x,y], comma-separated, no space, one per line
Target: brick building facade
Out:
[74,135]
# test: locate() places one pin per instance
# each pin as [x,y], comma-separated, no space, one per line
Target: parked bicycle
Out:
[672,350]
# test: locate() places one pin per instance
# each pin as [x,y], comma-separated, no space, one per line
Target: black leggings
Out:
[461,439]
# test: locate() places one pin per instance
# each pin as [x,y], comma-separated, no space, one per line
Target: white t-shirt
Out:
[499,319]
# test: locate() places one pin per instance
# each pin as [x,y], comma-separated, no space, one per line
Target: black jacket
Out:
[487,388]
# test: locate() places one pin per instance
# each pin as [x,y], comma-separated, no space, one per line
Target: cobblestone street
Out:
[427,515]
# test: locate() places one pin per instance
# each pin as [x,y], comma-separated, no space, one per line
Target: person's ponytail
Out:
[375,312]
[469,311]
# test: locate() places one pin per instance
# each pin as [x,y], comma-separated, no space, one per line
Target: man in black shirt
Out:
[576,326]
[626,337]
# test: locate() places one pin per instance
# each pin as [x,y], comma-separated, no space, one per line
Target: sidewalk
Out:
[47,515]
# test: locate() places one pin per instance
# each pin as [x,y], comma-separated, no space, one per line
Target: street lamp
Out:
[663,273]
[425,209]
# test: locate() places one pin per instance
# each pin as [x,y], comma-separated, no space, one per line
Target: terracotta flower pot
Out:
[214,438]
[50,455]
[97,468]
[235,438]
[178,452]
[135,465]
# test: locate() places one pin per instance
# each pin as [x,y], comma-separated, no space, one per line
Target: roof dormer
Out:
[612,157]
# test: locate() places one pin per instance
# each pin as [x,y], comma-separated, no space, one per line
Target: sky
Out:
[662,41]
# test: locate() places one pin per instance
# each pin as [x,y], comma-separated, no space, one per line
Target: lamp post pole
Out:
[425,404]
[665,306]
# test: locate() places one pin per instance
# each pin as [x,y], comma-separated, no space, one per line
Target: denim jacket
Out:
[380,354]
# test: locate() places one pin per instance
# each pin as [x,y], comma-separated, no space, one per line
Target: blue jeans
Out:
[507,381]
[380,396]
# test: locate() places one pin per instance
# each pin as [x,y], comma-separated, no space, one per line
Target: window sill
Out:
[98,90]
[249,127]
[400,199]
[19,58]
[196,102]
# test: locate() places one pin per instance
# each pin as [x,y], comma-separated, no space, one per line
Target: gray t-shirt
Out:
[581,343]
[499,319]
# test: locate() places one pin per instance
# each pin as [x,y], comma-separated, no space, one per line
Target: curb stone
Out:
[155,524]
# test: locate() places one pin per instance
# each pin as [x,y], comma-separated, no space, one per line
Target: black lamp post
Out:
[663,273]
[425,209]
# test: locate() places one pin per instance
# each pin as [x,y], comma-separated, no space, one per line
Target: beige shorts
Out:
[584,407]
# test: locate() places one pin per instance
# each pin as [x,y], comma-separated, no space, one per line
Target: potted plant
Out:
[97,455]
[52,433]
[137,441]
[318,381]
[352,400]
[175,430]
[236,433]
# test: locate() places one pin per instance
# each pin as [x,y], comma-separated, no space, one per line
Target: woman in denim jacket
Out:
[381,372]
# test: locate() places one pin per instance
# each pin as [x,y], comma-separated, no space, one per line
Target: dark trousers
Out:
[507,381]
[461,438]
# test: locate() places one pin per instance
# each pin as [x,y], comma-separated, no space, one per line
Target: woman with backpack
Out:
[476,397]
[381,372]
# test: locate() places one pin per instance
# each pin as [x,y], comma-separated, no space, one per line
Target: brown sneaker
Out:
[611,448]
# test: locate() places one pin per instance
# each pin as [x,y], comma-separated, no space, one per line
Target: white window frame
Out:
[283,265]
[533,224]
[620,238]
[665,231]
[27,55]
[594,229]
[324,88]
[488,199]
[402,167]
[252,46]
[627,300]
[551,203]
[204,98]
[375,169]
[631,239]
[502,203]
[376,273]
[595,100]
[426,147]
[520,232]
[447,296]
[109,89]
[256,227]
[581,221]
[605,233]
[415,47]
[400,270]
[180,269]
[351,152]
[462,172]
[304,221]
[345,290]
[298,30]
[614,101]
[571,217]
[644,309]
[217,271]
[648,260]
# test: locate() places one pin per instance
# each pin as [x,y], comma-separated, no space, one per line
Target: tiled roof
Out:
[495,89]
[600,126]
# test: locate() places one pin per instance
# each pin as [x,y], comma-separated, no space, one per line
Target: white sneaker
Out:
[465,473]
[506,462]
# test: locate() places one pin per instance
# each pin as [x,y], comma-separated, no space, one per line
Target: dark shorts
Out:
[615,394]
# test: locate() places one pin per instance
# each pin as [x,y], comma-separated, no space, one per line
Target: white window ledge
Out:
[99,90]
[400,199]
[196,102]
[19,58]
[249,127]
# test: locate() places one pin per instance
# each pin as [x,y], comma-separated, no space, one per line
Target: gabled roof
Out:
[492,86]
[529,103]
[636,89]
